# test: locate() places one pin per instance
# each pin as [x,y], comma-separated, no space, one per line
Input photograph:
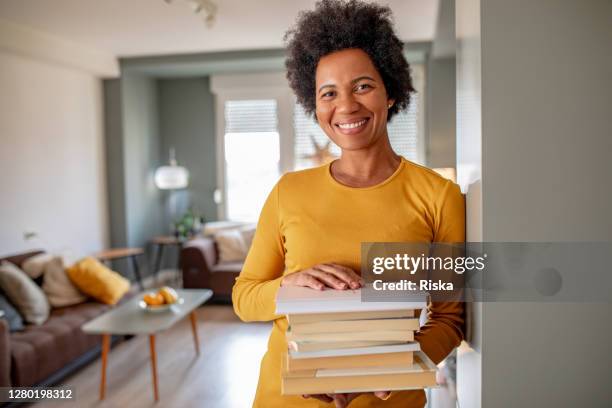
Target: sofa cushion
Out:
[12,316]
[231,267]
[27,297]
[234,244]
[34,267]
[39,351]
[232,247]
[58,287]
[98,281]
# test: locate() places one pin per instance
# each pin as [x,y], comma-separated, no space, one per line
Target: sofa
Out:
[44,354]
[199,263]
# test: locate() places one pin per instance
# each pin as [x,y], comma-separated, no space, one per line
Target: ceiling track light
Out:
[205,8]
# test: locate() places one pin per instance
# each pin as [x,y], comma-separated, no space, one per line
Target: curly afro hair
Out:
[336,25]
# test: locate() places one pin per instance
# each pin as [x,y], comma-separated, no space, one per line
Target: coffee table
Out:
[130,319]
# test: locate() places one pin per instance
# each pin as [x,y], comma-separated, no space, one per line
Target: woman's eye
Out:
[328,94]
[362,87]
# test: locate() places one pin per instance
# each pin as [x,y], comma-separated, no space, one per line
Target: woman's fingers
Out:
[343,273]
[310,281]
[321,397]
[382,394]
[343,400]
[329,279]
[340,400]
[322,275]
[349,271]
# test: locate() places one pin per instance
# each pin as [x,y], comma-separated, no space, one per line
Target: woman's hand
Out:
[324,275]
[343,400]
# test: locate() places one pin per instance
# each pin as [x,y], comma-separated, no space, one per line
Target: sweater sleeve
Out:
[443,330]
[254,292]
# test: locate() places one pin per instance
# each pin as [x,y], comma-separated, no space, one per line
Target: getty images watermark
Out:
[488,271]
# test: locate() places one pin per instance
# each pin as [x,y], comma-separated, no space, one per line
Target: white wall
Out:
[469,177]
[51,157]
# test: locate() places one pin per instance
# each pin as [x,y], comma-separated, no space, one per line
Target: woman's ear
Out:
[390,103]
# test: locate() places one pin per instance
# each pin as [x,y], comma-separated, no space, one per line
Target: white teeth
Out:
[351,125]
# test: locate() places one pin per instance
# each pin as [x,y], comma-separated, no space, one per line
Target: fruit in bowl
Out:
[168,294]
[160,300]
[153,299]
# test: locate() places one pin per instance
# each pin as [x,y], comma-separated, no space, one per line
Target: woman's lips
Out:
[352,127]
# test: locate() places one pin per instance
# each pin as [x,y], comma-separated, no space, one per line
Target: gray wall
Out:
[441,95]
[144,118]
[142,156]
[133,152]
[545,177]
[441,116]
[187,123]
[115,171]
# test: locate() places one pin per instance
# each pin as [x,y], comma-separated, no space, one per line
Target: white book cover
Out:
[300,300]
[400,369]
[394,348]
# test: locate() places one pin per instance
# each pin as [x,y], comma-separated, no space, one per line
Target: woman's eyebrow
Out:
[352,82]
[326,86]
[362,77]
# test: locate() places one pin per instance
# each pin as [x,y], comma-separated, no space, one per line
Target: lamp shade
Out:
[171,177]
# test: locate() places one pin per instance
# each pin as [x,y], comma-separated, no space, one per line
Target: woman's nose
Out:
[347,104]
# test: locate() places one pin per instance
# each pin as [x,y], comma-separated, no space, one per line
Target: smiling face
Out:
[351,100]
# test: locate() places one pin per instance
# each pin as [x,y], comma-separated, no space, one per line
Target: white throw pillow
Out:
[248,233]
[58,287]
[212,228]
[26,295]
[234,244]
[34,266]
[231,245]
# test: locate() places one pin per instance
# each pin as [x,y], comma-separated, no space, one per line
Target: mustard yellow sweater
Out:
[310,218]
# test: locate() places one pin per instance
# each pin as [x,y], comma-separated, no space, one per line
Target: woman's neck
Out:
[366,167]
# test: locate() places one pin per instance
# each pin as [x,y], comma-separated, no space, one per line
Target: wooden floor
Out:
[224,375]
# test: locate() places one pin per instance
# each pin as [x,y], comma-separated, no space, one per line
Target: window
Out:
[403,131]
[251,144]
[307,133]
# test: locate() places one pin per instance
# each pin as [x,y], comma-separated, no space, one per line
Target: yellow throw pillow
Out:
[98,281]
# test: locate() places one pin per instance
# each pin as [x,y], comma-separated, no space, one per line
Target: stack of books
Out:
[336,343]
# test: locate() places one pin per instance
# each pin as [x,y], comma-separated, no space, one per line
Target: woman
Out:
[346,66]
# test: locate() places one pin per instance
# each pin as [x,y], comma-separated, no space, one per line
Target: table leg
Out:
[136,270]
[153,365]
[105,347]
[194,329]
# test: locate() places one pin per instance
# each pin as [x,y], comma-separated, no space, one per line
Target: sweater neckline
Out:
[375,186]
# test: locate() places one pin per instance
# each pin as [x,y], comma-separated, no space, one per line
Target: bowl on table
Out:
[162,300]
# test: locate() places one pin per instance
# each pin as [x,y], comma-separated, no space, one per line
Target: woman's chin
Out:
[353,143]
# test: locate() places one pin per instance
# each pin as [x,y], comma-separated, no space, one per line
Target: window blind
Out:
[250,116]
[305,129]
[403,131]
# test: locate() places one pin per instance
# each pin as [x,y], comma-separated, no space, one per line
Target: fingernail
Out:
[342,285]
